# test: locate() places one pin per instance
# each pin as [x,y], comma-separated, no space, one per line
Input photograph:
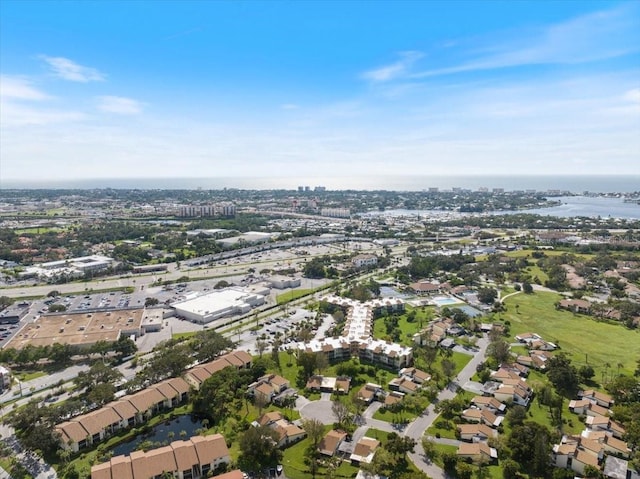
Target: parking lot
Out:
[241,271]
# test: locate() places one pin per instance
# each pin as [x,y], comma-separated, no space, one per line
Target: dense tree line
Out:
[422,267]
[171,357]
[60,355]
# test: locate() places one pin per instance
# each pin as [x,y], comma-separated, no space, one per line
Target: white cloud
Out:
[17,107]
[591,37]
[289,106]
[15,115]
[20,89]
[119,105]
[633,95]
[393,70]
[69,70]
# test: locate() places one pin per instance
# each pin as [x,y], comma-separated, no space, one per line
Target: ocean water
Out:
[573,184]
[589,206]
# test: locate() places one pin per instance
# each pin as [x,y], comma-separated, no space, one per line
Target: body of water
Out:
[160,433]
[572,206]
[573,184]
[592,207]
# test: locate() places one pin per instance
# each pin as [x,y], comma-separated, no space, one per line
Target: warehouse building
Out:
[218,304]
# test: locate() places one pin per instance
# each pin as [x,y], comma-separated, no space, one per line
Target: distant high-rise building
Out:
[307,188]
[300,189]
[433,189]
[498,190]
[483,189]
[320,189]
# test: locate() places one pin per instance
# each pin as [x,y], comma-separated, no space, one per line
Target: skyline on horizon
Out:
[125,90]
[575,184]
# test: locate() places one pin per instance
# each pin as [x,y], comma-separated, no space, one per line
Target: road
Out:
[32,462]
[237,265]
[417,428]
[43,386]
[321,410]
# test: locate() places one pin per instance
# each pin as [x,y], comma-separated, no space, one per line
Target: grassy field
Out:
[581,337]
[407,329]
[460,360]
[39,230]
[27,376]
[291,295]
[536,272]
[526,253]
[186,334]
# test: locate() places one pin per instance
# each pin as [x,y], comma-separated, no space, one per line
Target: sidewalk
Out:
[43,382]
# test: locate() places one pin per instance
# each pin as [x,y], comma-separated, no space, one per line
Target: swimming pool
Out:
[441,301]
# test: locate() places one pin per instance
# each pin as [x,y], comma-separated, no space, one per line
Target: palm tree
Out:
[607,365]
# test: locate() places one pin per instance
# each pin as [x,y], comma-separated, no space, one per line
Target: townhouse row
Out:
[134,409]
[194,458]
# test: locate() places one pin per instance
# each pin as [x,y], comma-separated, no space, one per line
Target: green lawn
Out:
[445,428]
[536,272]
[291,295]
[186,334]
[541,415]
[582,337]
[441,449]
[295,467]
[402,416]
[27,376]
[407,329]
[461,360]
[526,253]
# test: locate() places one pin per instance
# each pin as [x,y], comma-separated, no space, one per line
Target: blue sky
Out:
[250,89]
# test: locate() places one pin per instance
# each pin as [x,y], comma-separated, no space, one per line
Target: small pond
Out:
[161,433]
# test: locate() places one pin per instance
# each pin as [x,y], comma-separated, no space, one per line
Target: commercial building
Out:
[191,459]
[283,282]
[81,329]
[222,209]
[250,237]
[72,267]
[218,304]
[365,260]
[14,313]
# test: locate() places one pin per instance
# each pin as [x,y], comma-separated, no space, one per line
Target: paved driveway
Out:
[320,410]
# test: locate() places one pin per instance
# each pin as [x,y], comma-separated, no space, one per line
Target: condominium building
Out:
[191,459]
